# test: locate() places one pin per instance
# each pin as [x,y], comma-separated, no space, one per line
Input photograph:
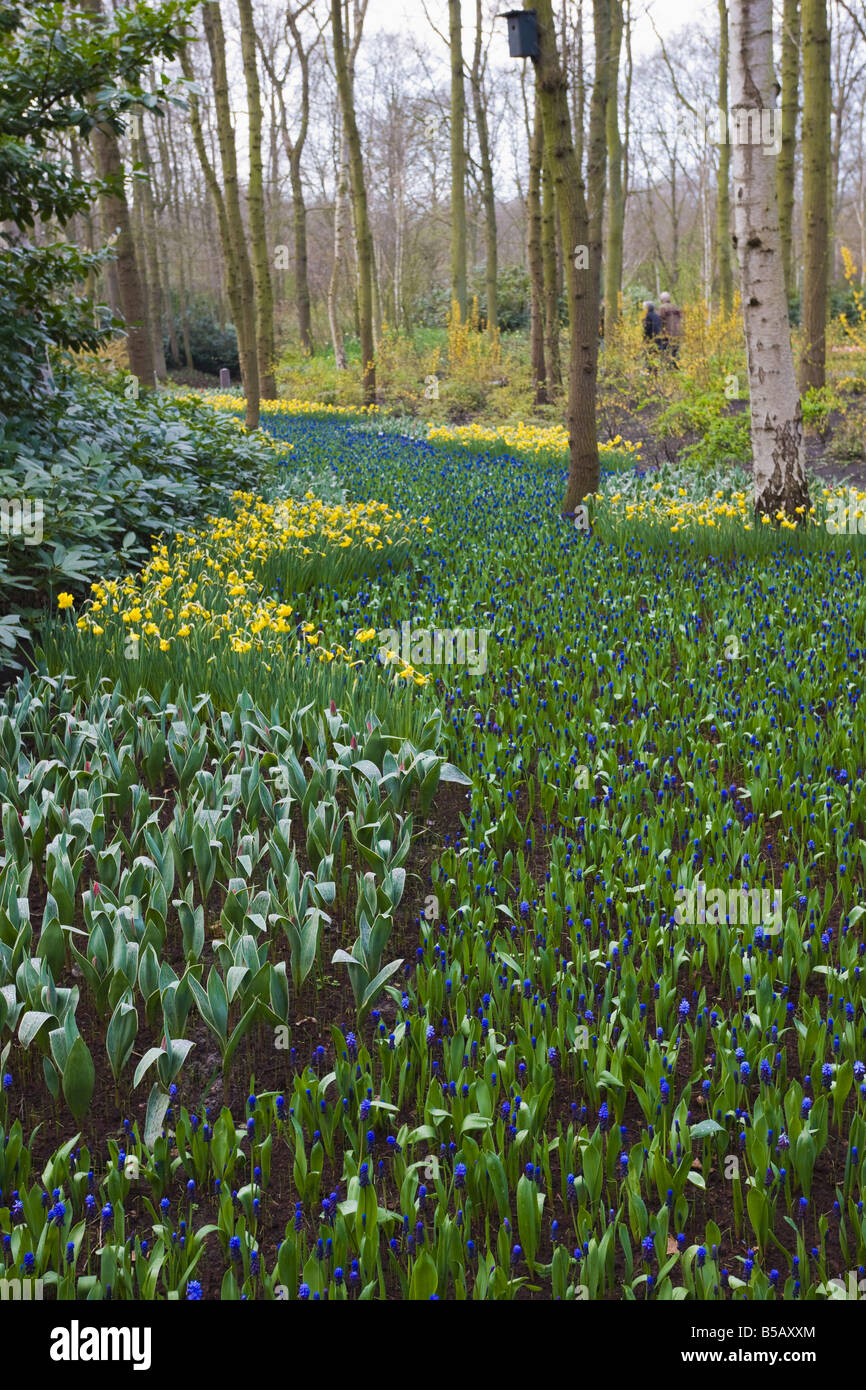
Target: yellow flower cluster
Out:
[681,512]
[236,405]
[404,671]
[527,439]
[258,528]
[205,586]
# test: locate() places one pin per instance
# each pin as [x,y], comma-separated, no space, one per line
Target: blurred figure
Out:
[652,334]
[672,326]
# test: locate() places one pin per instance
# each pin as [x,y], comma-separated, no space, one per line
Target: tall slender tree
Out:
[723,175]
[341,197]
[488,190]
[232,283]
[534,256]
[294,148]
[149,242]
[777,422]
[615,202]
[117,224]
[263,289]
[245,324]
[458,160]
[786,163]
[581,245]
[363,236]
[550,265]
[816,190]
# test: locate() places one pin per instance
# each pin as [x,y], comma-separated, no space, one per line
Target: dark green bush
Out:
[213,345]
[109,473]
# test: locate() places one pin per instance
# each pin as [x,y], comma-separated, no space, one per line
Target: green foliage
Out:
[109,473]
[726,441]
[61,75]
[213,345]
[817,405]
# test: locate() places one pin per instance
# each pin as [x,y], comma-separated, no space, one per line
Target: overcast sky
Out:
[408,15]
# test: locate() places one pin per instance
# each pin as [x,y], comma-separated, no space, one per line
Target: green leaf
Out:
[449,773]
[157,1106]
[79,1078]
[704,1128]
[425,1280]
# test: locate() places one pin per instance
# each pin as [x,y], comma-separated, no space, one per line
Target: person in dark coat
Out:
[652,333]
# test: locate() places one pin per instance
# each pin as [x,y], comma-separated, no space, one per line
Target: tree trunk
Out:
[363,238]
[582,273]
[340,360]
[150,244]
[229,263]
[777,422]
[302,278]
[487,183]
[786,161]
[294,152]
[615,205]
[246,325]
[580,91]
[534,254]
[816,175]
[723,186]
[131,295]
[550,264]
[130,289]
[458,162]
[124,275]
[264,295]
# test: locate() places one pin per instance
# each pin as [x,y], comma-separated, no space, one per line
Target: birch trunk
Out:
[777,422]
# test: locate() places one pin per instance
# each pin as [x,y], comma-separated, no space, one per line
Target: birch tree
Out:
[776,418]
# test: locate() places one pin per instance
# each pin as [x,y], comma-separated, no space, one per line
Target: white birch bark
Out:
[777,421]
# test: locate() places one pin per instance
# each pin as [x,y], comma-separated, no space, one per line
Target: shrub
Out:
[212,345]
[104,474]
